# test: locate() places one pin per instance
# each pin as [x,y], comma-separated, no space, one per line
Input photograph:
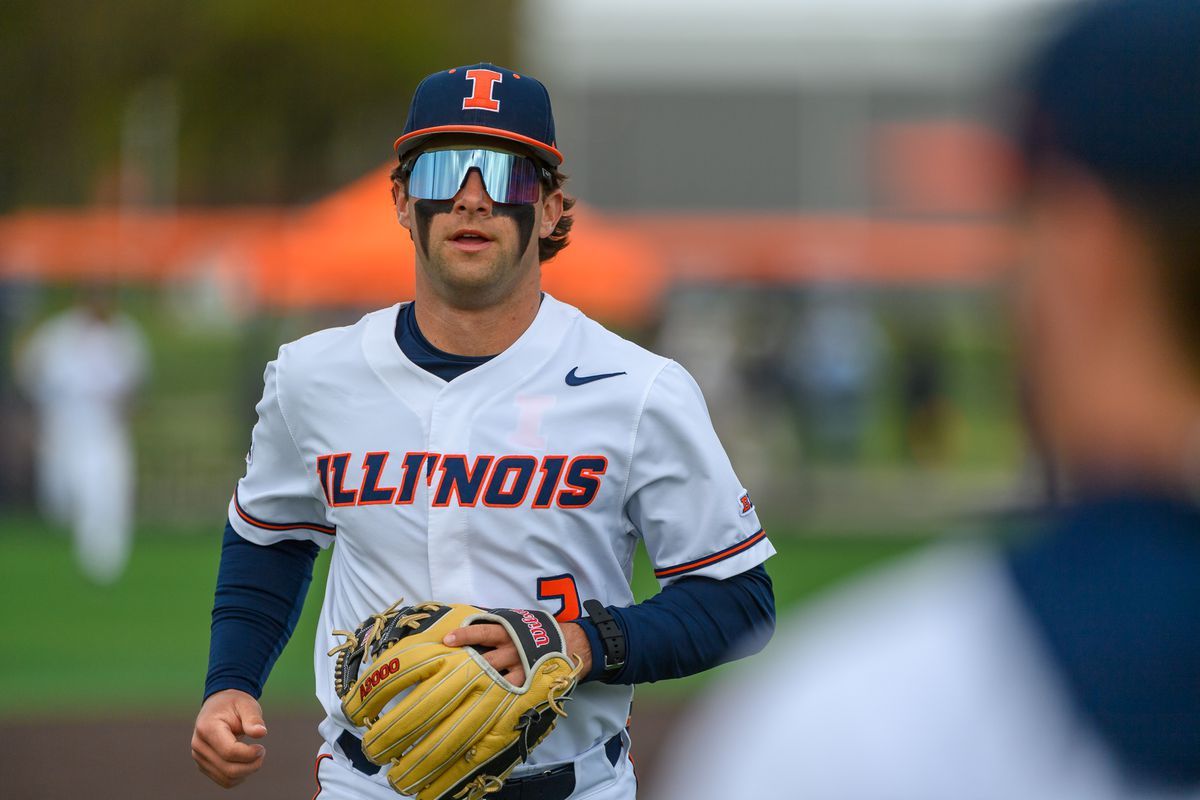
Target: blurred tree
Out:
[277,101]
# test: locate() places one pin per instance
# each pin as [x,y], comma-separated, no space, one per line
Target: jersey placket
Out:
[452,568]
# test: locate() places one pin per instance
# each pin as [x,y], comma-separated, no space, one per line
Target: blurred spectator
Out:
[924,404]
[81,370]
[832,362]
[1063,665]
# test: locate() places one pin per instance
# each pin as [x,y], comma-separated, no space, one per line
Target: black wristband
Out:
[611,635]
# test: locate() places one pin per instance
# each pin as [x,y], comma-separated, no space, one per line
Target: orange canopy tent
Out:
[793,248]
[119,245]
[349,250]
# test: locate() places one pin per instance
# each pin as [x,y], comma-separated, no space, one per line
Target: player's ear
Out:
[552,211]
[400,199]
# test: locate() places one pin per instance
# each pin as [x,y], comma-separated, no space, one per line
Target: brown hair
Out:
[549,246]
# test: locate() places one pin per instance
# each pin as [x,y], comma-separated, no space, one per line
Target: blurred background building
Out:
[779,155]
[800,201]
[774,105]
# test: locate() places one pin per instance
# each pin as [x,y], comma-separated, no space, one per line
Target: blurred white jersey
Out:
[924,682]
[80,371]
[525,482]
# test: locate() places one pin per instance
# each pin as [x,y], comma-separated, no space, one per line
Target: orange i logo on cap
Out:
[483,82]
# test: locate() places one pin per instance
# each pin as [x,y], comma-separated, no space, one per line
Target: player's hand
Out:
[503,655]
[216,747]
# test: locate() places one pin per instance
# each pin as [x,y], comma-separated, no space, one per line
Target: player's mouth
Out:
[470,240]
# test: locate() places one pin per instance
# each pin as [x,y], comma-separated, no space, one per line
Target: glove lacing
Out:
[480,786]
[560,686]
[378,623]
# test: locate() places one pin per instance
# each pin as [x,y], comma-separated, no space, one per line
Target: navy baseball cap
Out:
[1118,91]
[482,99]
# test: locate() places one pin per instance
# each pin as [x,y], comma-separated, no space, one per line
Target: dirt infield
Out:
[141,759]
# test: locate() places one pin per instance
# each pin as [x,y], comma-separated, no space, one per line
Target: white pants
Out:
[595,778]
[86,481]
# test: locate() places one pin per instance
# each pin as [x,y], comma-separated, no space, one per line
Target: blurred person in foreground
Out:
[81,370]
[1067,664]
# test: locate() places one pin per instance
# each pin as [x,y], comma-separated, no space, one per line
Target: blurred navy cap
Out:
[482,99]
[1118,90]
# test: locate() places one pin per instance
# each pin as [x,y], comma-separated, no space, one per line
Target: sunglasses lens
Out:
[508,178]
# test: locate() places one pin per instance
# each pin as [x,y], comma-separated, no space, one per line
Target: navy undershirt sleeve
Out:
[690,626]
[260,591]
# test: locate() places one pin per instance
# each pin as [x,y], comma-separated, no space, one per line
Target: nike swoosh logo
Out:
[578,380]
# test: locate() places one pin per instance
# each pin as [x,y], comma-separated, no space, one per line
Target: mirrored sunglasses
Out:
[508,178]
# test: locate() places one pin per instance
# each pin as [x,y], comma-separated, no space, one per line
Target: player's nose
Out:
[473,196]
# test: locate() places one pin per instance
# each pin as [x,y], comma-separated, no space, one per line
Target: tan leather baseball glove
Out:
[446,723]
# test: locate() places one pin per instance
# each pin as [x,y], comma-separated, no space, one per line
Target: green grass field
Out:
[141,647]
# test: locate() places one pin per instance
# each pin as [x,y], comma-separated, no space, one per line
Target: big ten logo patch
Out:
[531,411]
[745,504]
[509,481]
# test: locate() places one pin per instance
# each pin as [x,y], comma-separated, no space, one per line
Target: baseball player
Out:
[1062,663]
[83,369]
[483,444]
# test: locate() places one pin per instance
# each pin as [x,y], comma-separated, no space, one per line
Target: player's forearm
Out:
[691,626]
[260,591]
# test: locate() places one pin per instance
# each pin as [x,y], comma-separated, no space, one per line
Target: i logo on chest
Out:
[509,481]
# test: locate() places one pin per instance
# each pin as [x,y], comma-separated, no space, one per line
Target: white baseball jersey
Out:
[525,482]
